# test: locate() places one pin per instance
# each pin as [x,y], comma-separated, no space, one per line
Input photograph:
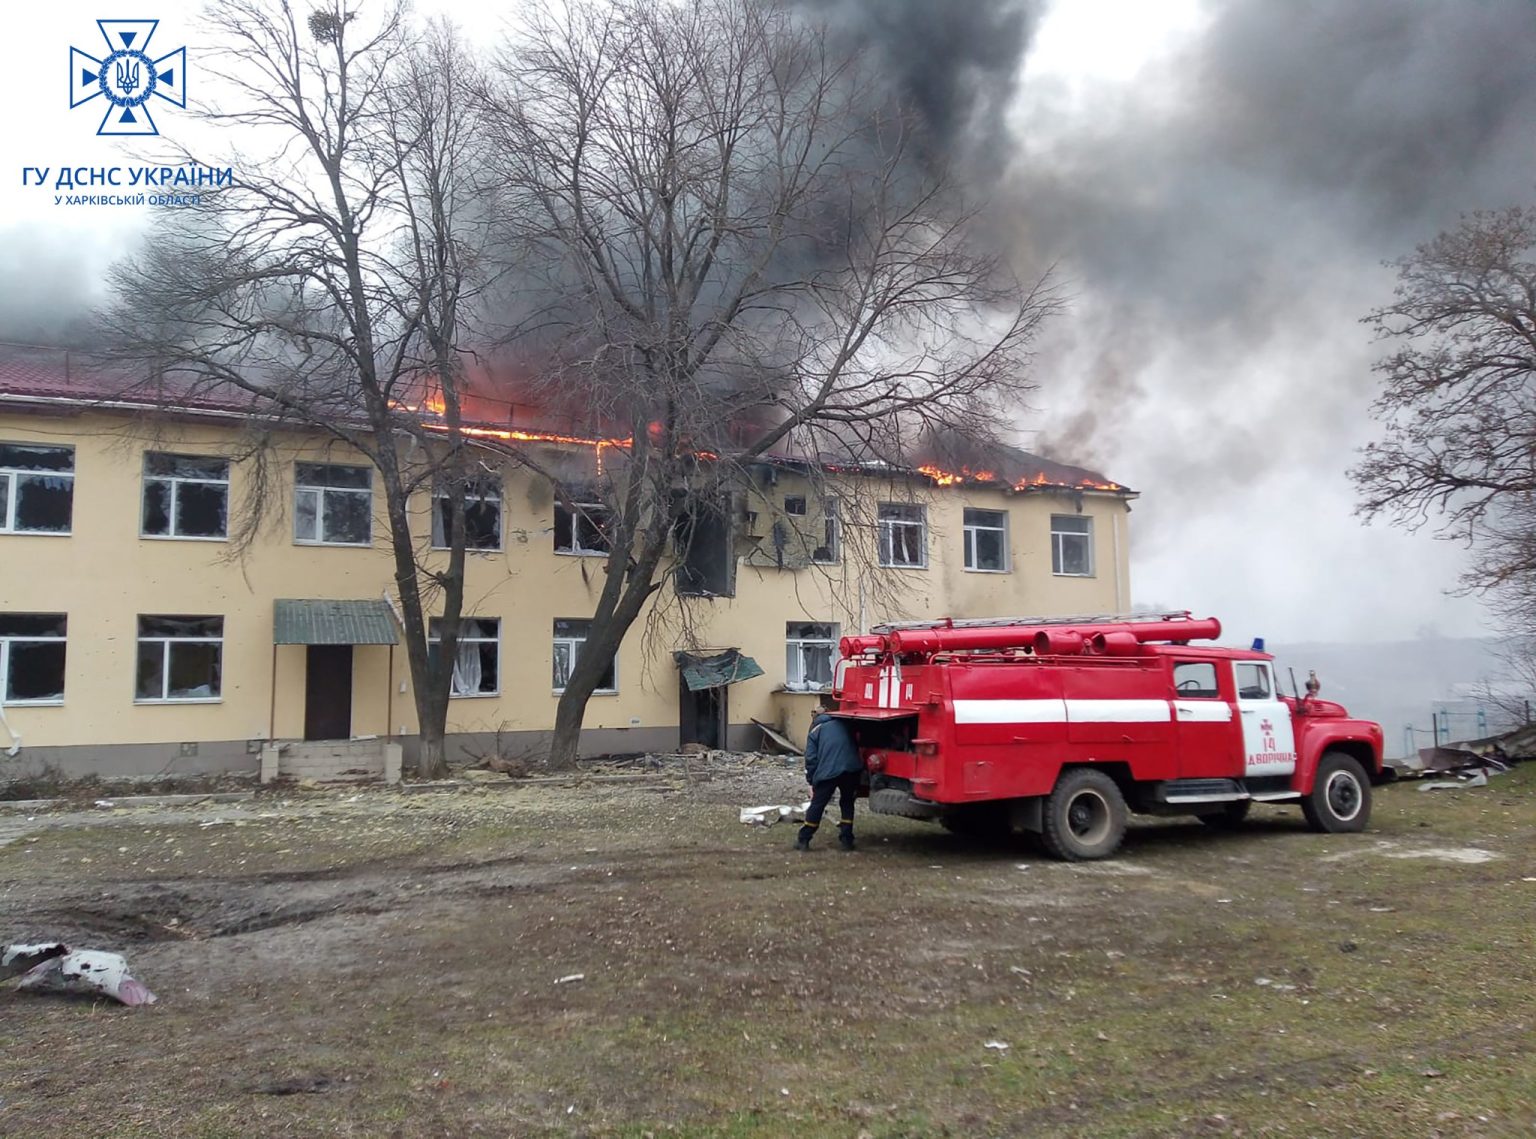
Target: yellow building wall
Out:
[104,575]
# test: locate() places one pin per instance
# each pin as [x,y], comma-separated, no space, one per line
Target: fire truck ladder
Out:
[1004,622]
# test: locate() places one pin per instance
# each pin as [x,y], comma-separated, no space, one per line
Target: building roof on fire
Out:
[35,375]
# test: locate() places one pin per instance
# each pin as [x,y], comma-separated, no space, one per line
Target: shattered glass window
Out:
[179,658]
[581,528]
[1071,545]
[332,504]
[903,535]
[812,651]
[477,663]
[32,658]
[482,515]
[185,496]
[37,489]
[986,540]
[570,640]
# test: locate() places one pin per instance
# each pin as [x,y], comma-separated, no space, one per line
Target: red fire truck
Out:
[1061,726]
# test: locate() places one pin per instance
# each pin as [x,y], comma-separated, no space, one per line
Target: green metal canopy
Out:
[717,670]
[318,622]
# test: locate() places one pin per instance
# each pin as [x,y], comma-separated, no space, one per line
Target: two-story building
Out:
[137,638]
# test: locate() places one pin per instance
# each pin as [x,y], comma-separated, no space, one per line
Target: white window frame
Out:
[971,543]
[1058,544]
[795,649]
[11,493]
[435,639]
[576,510]
[165,662]
[483,491]
[573,647]
[6,641]
[831,531]
[172,514]
[319,493]
[887,534]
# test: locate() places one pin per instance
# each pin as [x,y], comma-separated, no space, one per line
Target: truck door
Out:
[1209,741]
[1267,737]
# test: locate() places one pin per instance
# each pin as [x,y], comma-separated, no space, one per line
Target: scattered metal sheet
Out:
[777,741]
[53,967]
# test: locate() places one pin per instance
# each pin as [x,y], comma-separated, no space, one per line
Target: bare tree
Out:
[1458,396]
[728,253]
[330,285]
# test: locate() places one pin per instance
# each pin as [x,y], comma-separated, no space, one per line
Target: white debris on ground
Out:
[768,816]
[53,967]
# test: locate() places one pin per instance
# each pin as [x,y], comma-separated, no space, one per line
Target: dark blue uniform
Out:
[832,765]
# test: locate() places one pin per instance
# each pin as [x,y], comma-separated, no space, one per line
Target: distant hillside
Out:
[1403,683]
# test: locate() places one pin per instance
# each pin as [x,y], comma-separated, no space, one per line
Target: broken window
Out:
[180,658]
[702,538]
[812,651]
[794,505]
[903,535]
[570,643]
[32,658]
[37,489]
[827,552]
[986,540]
[1071,545]
[482,514]
[477,664]
[581,528]
[332,505]
[185,496]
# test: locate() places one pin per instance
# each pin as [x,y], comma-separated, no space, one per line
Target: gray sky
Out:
[1217,183]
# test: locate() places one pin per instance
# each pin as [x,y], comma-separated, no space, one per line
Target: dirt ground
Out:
[366,963]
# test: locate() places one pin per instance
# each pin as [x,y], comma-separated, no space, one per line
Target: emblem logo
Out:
[128,76]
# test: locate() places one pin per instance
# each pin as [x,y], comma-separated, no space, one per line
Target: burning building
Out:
[136,638]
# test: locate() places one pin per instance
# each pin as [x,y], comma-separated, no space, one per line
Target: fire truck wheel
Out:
[1230,815]
[1340,801]
[1084,817]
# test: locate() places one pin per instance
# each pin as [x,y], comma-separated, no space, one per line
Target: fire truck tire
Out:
[1340,801]
[1229,817]
[1084,816]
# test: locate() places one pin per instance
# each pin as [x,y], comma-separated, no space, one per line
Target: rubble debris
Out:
[569,978]
[996,1045]
[777,741]
[1478,778]
[53,967]
[769,815]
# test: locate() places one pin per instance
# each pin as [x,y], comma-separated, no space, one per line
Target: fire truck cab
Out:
[1062,726]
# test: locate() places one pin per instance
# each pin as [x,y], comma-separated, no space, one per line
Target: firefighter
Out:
[832,765]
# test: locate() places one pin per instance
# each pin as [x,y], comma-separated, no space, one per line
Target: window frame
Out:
[573,646]
[166,641]
[971,542]
[1058,548]
[482,491]
[832,534]
[795,648]
[320,492]
[1212,693]
[10,493]
[886,534]
[173,510]
[434,643]
[7,640]
[577,511]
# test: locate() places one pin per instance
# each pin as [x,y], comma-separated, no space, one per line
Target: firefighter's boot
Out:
[803,839]
[845,834]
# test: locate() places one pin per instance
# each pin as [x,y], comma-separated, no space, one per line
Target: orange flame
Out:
[941,477]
